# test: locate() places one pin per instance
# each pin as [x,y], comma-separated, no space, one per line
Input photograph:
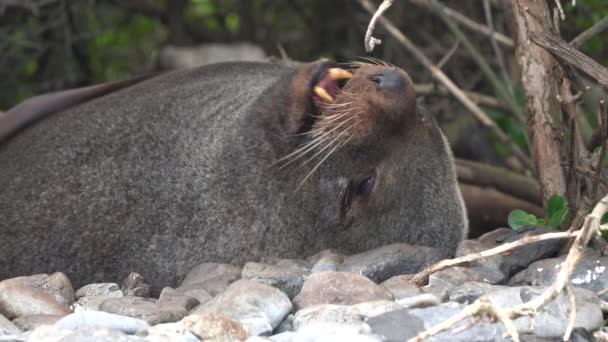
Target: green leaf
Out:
[558,217]
[556,204]
[519,218]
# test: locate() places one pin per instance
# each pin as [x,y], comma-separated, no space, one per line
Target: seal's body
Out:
[227,163]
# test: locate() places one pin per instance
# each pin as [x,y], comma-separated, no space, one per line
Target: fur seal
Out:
[231,163]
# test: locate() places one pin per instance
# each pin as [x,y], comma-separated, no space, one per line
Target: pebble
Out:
[98,289]
[20,298]
[387,261]
[134,285]
[90,319]
[32,322]
[590,273]
[211,277]
[145,309]
[258,307]
[286,277]
[339,288]
[7,327]
[215,328]
[169,296]
[400,286]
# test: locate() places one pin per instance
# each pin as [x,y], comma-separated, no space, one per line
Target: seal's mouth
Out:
[329,84]
[326,82]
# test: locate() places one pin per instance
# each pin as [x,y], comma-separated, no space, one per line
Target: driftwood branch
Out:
[370,42]
[422,276]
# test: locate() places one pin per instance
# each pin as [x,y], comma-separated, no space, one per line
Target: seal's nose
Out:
[389,80]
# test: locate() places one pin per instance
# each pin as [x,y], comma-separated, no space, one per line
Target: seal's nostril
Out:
[389,80]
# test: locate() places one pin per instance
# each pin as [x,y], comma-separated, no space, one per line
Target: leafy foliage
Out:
[557,209]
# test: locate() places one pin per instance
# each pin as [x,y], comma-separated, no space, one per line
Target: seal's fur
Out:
[182,169]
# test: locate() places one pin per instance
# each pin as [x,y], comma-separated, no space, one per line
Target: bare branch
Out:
[370,42]
[421,276]
[589,33]
[567,53]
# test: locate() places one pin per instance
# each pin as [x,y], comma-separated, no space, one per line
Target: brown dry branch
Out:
[447,82]
[520,186]
[478,98]
[468,23]
[422,276]
[560,49]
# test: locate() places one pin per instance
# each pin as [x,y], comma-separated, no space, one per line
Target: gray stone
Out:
[520,259]
[179,57]
[442,282]
[396,326]
[286,278]
[134,285]
[328,315]
[50,333]
[171,332]
[32,322]
[286,325]
[144,308]
[210,327]
[298,264]
[332,253]
[420,301]
[332,333]
[387,261]
[590,273]
[169,296]
[339,288]
[98,289]
[469,292]
[327,264]
[352,316]
[20,298]
[199,294]
[258,307]
[94,302]
[7,327]
[482,331]
[57,285]
[400,287]
[551,321]
[211,277]
[287,336]
[93,319]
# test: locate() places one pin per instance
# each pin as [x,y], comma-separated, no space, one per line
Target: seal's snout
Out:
[389,80]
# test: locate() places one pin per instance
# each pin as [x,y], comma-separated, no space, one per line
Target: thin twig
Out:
[481,61]
[468,23]
[449,54]
[370,42]
[499,57]
[453,88]
[589,33]
[572,308]
[560,9]
[421,276]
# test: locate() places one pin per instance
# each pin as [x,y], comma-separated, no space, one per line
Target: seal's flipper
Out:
[38,107]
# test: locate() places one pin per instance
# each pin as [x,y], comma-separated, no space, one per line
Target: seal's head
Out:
[382,170]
